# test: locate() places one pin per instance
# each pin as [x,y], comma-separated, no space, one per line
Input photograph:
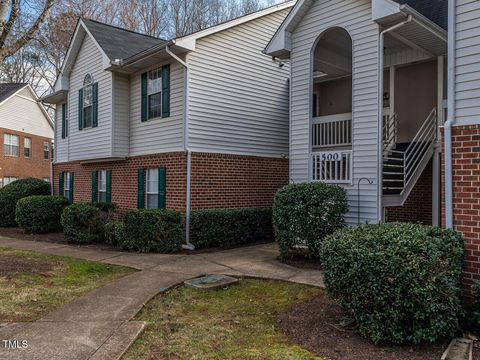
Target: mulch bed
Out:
[315,325]
[299,261]
[11,265]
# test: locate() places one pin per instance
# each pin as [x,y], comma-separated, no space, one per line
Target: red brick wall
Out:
[218,181]
[418,206]
[466,196]
[21,166]
[232,181]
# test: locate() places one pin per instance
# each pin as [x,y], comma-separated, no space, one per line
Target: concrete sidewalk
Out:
[97,325]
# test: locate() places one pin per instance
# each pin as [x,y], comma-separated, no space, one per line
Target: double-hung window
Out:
[67,181]
[102,185]
[46,150]
[87,101]
[10,145]
[27,147]
[9,179]
[152,188]
[155,93]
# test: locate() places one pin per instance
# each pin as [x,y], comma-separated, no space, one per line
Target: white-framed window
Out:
[10,144]
[46,179]
[67,180]
[102,185]
[87,101]
[154,92]
[152,188]
[27,147]
[46,150]
[9,179]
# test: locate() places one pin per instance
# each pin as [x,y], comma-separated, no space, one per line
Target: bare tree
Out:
[11,14]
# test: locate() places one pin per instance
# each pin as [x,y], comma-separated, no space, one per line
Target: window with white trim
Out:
[46,179]
[9,179]
[10,144]
[102,185]
[46,150]
[27,147]
[67,179]
[87,101]
[152,188]
[154,92]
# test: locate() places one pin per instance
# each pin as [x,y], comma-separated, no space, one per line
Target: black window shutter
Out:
[166,90]
[64,121]
[162,188]
[109,186]
[141,189]
[71,189]
[94,186]
[60,183]
[80,109]
[95,105]
[144,96]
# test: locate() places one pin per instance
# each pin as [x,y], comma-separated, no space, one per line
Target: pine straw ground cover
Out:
[34,284]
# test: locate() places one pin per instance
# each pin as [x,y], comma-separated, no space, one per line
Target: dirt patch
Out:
[11,265]
[315,325]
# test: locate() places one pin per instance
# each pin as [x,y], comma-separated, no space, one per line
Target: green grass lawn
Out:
[237,323]
[34,284]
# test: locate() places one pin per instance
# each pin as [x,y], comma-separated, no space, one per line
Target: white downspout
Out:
[451,115]
[188,245]
[380,114]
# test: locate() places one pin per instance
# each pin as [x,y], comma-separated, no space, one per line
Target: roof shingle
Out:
[8,89]
[435,10]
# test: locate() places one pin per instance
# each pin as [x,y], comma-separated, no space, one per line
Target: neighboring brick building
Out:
[26,133]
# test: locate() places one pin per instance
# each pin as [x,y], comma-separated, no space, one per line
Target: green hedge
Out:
[471,320]
[83,223]
[152,230]
[115,232]
[229,228]
[11,193]
[40,213]
[303,214]
[399,282]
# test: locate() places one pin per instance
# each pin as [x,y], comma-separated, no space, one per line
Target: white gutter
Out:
[188,245]
[380,114]
[451,115]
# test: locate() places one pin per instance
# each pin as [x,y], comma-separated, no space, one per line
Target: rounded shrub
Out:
[400,283]
[83,224]
[303,214]
[152,230]
[11,193]
[114,232]
[40,213]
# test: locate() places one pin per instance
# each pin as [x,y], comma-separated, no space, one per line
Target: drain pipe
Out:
[451,115]
[381,43]
[188,245]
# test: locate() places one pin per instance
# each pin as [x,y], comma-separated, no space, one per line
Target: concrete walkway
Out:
[98,326]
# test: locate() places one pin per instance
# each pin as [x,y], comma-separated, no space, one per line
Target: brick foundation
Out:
[466,196]
[21,166]
[217,180]
[418,206]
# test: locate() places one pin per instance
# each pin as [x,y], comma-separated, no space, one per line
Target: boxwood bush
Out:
[114,232]
[11,193]
[83,223]
[40,213]
[152,230]
[471,320]
[229,228]
[303,214]
[400,283]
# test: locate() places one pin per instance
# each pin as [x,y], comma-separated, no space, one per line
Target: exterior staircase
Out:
[403,163]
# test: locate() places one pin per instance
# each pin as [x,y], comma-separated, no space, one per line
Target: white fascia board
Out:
[189,41]
[384,8]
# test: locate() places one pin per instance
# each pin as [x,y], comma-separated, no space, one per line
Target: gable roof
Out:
[118,43]
[9,89]
[435,10]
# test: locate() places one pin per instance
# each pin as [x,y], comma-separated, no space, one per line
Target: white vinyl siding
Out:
[160,134]
[90,143]
[468,62]
[61,145]
[22,113]
[121,114]
[239,96]
[356,18]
